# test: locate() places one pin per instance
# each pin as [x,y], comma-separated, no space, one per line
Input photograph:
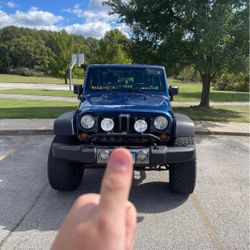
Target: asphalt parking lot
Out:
[216,216]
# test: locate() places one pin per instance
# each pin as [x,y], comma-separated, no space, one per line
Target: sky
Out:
[83,17]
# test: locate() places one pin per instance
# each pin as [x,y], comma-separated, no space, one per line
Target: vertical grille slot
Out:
[124,124]
[128,119]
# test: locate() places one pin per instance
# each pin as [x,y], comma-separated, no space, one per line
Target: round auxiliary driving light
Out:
[142,156]
[104,155]
[87,121]
[107,124]
[140,126]
[160,122]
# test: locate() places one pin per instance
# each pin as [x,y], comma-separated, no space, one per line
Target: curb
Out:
[26,132]
[233,133]
[50,132]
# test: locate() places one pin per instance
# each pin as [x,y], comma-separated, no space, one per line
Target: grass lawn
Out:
[217,113]
[191,92]
[39,92]
[11,108]
[188,92]
[6,78]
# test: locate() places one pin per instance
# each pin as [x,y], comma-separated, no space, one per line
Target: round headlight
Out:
[87,121]
[140,126]
[160,123]
[107,124]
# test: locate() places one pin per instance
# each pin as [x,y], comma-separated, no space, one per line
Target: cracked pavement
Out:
[216,216]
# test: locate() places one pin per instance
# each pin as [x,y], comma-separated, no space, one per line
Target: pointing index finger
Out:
[117,181]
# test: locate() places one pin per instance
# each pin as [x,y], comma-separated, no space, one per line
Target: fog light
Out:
[104,155]
[142,156]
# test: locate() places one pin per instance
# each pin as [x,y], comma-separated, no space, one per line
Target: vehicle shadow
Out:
[49,209]
[154,197]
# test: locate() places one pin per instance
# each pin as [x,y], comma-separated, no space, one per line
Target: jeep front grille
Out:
[122,124]
[123,132]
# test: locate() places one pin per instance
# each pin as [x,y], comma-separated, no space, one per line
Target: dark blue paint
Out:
[136,104]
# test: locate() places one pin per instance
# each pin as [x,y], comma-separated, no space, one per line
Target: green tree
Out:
[208,34]
[62,47]
[28,52]
[90,51]
[20,48]
[113,48]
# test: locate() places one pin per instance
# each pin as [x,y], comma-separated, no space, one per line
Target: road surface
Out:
[214,217]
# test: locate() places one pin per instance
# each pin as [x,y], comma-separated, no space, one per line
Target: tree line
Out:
[206,40]
[40,52]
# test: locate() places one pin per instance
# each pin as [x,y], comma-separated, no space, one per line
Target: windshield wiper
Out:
[139,91]
[110,91]
[116,91]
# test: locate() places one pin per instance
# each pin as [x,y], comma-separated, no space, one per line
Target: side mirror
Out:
[173,90]
[78,91]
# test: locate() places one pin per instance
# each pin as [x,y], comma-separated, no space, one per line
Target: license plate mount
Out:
[133,156]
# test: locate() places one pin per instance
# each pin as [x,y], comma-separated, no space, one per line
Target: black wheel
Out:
[183,175]
[63,175]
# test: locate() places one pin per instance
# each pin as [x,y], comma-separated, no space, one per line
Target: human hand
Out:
[106,221]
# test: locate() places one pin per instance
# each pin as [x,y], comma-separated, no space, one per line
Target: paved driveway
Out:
[34,86]
[214,217]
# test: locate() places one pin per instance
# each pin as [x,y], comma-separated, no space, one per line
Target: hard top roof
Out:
[124,66]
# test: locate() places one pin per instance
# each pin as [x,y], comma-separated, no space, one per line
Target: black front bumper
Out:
[157,155]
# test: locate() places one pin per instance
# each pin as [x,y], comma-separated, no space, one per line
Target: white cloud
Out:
[75,10]
[95,21]
[94,11]
[91,29]
[32,18]
[11,4]
[5,19]
[97,5]
[35,17]
[34,8]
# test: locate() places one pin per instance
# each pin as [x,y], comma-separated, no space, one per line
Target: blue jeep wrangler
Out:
[123,106]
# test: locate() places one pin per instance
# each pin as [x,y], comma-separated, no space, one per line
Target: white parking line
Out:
[12,149]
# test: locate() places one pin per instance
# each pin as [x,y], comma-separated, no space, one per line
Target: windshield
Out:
[126,79]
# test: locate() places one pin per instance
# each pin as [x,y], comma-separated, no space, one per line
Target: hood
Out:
[125,102]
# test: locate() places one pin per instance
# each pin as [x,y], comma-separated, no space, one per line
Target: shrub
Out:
[22,71]
[230,81]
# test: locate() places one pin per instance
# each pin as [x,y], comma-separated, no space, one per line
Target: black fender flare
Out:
[64,124]
[184,126]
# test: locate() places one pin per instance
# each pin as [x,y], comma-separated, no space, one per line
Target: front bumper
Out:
[156,155]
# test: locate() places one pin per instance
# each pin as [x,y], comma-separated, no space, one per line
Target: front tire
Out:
[183,175]
[63,175]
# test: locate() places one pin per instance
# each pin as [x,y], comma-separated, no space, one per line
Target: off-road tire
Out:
[183,175]
[63,175]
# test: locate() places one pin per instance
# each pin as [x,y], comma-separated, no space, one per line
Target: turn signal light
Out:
[84,136]
[164,138]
